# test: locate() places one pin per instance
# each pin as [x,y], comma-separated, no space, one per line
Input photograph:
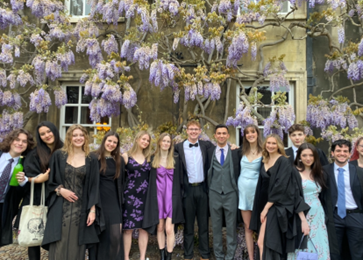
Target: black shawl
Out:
[151,213]
[90,197]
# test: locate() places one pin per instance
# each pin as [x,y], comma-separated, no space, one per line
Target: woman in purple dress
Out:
[138,167]
[163,204]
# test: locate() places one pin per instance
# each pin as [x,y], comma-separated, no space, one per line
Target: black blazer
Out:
[356,180]
[323,159]
[179,149]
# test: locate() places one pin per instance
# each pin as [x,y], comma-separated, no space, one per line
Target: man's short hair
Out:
[193,122]
[221,126]
[341,143]
[295,128]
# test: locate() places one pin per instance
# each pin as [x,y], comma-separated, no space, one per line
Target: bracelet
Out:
[57,190]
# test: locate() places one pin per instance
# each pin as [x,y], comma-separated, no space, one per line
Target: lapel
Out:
[231,170]
[210,170]
[334,185]
[203,150]
[290,152]
[182,154]
[352,173]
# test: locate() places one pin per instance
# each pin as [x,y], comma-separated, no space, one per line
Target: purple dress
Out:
[164,184]
[137,182]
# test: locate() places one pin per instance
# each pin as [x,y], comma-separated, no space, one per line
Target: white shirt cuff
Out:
[23,182]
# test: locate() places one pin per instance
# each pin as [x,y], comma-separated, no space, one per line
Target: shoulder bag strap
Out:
[302,239]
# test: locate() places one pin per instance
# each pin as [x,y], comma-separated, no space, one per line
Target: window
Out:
[285,7]
[78,9]
[76,111]
[265,111]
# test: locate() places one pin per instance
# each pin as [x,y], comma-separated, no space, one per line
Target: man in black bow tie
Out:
[193,154]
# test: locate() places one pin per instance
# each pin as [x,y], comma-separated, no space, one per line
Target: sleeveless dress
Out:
[247,182]
[164,184]
[137,183]
[316,221]
[67,248]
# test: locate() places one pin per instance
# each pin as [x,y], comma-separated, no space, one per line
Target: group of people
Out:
[294,199]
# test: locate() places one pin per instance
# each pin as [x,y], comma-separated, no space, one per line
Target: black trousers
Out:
[195,204]
[350,227]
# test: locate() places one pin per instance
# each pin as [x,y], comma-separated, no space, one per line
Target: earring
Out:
[299,160]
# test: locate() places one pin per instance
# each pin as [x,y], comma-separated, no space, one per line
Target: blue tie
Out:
[222,157]
[342,212]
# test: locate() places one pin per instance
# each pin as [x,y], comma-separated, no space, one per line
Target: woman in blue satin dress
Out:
[247,181]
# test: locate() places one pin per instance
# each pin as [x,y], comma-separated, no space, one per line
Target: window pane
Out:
[76,7]
[105,119]
[71,115]
[285,7]
[88,8]
[72,95]
[85,99]
[85,112]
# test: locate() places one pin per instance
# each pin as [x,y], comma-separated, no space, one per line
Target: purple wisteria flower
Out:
[40,101]
[162,75]
[129,97]
[3,78]
[94,52]
[242,118]
[354,71]
[41,8]
[238,47]
[9,122]
[253,50]
[8,99]
[341,34]
[169,5]
[100,108]
[286,116]
[128,50]
[144,54]
[8,17]
[23,78]
[337,3]
[6,53]
[110,12]
[192,38]
[360,48]
[17,5]
[60,98]
[83,78]
[279,82]
[110,45]
[39,69]
[36,39]
[53,70]
[66,59]
[57,33]
[112,92]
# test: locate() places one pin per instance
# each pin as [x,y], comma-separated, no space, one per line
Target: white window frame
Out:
[291,97]
[75,18]
[79,105]
[281,12]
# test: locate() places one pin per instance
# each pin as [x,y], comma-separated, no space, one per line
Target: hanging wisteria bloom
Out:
[338,64]
[355,70]
[110,12]
[144,54]
[41,8]
[6,53]
[162,75]
[192,39]
[112,92]
[60,98]
[110,45]
[169,5]
[36,39]
[9,122]
[53,70]
[57,33]
[3,78]
[341,34]
[278,82]
[286,116]
[336,3]
[39,69]
[242,118]
[23,78]
[40,101]
[129,96]
[8,17]
[271,126]
[101,108]
[238,47]
[128,50]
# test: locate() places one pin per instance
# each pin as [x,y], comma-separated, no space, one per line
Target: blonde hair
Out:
[147,151]
[193,122]
[280,148]
[68,146]
[170,159]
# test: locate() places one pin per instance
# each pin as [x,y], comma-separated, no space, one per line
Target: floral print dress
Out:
[137,182]
[316,221]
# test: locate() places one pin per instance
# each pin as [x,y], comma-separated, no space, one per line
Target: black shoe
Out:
[162,254]
[168,255]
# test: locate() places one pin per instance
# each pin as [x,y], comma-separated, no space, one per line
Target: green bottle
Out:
[17,168]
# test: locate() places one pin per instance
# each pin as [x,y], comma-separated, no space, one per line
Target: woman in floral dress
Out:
[317,196]
[137,181]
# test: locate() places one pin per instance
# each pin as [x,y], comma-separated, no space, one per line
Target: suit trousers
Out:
[352,226]
[195,204]
[224,205]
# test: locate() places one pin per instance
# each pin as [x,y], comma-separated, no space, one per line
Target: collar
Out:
[7,157]
[294,148]
[345,167]
[187,141]
[225,148]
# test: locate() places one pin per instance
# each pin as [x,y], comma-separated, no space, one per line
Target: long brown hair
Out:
[68,146]
[246,146]
[147,151]
[170,159]
[9,139]
[355,155]
[115,154]
[316,169]
[280,148]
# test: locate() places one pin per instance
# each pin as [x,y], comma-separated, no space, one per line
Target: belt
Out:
[195,184]
[350,211]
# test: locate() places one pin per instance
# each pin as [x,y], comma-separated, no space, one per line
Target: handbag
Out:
[33,220]
[307,255]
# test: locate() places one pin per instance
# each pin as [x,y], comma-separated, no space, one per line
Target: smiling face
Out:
[19,145]
[271,145]
[78,138]
[221,136]
[307,157]
[251,135]
[111,144]
[297,138]
[46,135]
[143,141]
[341,155]
[165,143]
[193,132]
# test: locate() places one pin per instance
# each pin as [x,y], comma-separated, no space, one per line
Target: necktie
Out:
[222,157]
[4,179]
[342,212]
[191,145]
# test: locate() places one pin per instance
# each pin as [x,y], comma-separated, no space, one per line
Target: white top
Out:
[349,199]
[295,150]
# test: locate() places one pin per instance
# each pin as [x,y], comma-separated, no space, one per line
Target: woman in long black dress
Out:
[274,210]
[36,165]
[164,200]
[137,182]
[72,193]
[112,167]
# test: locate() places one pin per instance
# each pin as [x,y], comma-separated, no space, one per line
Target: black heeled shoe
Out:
[168,255]
[162,254]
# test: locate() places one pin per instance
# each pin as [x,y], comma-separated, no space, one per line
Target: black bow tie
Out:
[191,145]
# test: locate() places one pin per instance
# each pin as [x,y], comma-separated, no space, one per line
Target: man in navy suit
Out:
[347,199]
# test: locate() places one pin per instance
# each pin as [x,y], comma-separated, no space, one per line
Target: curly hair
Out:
[9,139]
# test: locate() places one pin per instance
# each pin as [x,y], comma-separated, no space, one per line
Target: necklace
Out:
[253,152]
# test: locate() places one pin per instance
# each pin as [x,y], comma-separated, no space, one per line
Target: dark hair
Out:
[115,154]
[355,155]
[340,143]
[43,151]
[296,127]
[316,169]
[246,145]
[221,126]
[9,139]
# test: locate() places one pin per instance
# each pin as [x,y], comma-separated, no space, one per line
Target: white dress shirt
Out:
[349,199]
[194,162]
[294,149]
[218,152]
